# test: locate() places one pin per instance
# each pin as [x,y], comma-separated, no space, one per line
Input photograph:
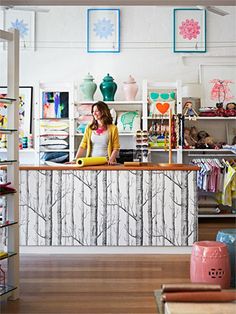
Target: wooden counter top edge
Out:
[179,167]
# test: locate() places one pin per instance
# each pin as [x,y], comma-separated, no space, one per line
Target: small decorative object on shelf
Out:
[88,87]
[189,111]
[220,90]
[130,88]
[108,88]
[141,153]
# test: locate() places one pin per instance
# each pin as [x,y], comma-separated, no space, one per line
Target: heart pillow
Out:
[162,107]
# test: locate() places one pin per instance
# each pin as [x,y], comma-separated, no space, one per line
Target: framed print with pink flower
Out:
[189,30]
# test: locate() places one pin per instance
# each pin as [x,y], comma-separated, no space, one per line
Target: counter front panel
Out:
[73,207]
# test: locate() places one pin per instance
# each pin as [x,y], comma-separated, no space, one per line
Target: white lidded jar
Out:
[130,88]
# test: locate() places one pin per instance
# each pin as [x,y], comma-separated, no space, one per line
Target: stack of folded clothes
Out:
[193,293]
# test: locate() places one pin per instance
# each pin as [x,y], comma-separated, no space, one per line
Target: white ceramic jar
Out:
[130,88]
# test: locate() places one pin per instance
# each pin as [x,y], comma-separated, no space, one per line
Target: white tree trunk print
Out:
[117,209]
[149,210]
[163,209]
[172,197]
[72,196]
[184,210]
[59,208]
[104,205]
[139,208]
[48,208]
[156,176]
[93,210]
[195,207]
[110,209]
[127,206]
[27,209]
[82,209]
[37,207]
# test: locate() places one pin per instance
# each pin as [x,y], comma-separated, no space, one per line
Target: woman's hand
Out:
[111,161]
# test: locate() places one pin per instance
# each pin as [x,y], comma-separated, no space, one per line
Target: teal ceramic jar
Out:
[88,87]
[108,88]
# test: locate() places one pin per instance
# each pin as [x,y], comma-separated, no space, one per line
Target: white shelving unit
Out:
[10,226]
[161,87]
[221,129]
[66,87]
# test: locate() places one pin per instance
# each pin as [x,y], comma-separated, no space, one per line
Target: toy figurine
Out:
[230,110]
[189,111]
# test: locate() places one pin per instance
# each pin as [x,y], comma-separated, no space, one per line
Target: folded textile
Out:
[57,157]
[196,296]
[189,287]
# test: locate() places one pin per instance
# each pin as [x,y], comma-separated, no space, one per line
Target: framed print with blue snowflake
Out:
[103,30]
[24,21]
[189,30]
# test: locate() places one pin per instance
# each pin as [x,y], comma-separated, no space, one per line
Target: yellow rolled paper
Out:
[91,161]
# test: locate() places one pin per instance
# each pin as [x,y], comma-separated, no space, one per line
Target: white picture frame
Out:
[103,30]
[189,30]
[208,72]
[24,21]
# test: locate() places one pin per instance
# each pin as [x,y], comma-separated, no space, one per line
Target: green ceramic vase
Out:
[88,87]
[108,88]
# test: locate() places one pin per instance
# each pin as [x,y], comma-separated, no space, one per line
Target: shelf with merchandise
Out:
[211,118]
[109,103]
[217,215]
[10,286]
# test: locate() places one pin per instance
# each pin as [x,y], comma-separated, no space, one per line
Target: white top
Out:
[99,144]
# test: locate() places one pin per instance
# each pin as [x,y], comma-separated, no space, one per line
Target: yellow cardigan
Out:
[113,140]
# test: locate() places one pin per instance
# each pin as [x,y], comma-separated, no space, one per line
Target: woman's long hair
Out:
[105,115]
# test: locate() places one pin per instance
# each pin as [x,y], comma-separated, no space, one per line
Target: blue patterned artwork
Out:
[103,30]
[24,22]
[21,26]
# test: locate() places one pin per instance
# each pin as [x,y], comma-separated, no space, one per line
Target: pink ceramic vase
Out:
[130,88]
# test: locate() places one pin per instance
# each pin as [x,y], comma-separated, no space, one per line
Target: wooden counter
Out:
[143,166]
[150,205]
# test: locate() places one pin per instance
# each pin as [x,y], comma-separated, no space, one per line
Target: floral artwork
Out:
[189,30]
[103,28]
[21,26]
[103,31]
[24,21]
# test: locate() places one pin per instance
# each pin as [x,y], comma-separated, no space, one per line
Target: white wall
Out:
[146,48]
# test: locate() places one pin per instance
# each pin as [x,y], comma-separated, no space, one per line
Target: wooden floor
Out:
[65,284]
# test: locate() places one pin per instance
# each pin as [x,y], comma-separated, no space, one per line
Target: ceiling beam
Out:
[119,2]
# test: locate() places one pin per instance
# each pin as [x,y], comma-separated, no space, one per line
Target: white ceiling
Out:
[120,2]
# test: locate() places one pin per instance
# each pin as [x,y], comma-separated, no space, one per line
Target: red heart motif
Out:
[162,107]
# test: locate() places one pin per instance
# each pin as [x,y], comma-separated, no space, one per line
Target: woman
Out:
[101,137]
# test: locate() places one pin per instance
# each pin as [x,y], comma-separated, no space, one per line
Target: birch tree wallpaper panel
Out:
[108,208]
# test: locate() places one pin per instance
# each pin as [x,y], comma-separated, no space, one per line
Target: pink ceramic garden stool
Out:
[210,263]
